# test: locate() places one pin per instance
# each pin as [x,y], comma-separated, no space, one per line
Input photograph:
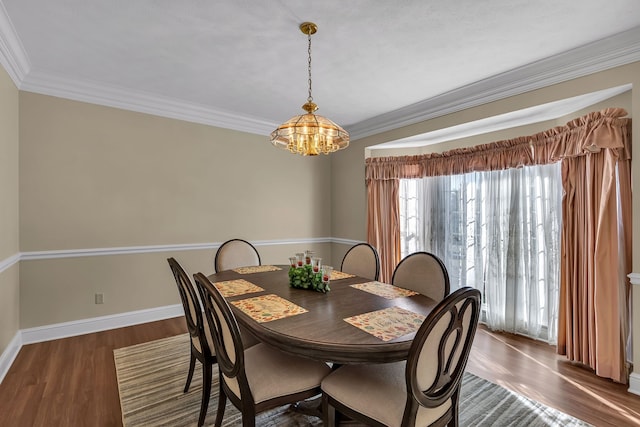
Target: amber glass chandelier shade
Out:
[310,135]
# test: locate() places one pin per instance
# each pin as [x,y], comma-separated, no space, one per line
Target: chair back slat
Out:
[441,348]
[190,302]
[224,328]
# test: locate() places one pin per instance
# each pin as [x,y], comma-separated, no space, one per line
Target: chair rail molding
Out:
[124,250]
[8,262]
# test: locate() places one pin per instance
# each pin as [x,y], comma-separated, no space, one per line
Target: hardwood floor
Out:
[72,382]
[533,369]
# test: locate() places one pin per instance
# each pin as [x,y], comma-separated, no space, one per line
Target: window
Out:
[497,231]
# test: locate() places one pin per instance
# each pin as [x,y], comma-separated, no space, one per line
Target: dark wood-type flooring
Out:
[72,381]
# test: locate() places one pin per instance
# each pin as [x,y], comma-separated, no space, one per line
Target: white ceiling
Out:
[242,64]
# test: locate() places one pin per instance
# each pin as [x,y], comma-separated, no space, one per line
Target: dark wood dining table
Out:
[321,332]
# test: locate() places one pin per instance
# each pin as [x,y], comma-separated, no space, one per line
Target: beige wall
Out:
[9,221]
[94,176]
[352,216]
[348,199]
[98,177]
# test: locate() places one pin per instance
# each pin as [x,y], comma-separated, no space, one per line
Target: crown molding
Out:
[141,102]
[12,54]
[619,49]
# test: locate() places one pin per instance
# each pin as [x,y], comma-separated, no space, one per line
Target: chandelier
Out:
[310,134]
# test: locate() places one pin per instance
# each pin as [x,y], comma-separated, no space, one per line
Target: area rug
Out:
[151,379]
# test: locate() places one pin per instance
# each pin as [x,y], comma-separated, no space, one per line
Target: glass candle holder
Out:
[326,273]
[316,263]
[300,259]
[293,261]
[307,256]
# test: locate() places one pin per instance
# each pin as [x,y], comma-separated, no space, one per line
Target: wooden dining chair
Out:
[424,390]
[362,260]
[422,272]
[202,347]
[257,378]
[236,253]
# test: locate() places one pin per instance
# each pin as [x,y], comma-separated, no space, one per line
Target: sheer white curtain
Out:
[497,231]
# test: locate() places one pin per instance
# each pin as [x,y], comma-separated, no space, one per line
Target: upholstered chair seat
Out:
[378,392]
[272,374]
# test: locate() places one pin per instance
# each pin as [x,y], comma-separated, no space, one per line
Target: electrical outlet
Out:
[99,298]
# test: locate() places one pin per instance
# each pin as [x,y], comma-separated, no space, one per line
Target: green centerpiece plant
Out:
[305,274]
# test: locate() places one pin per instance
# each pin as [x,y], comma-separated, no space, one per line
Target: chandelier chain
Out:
[310,98]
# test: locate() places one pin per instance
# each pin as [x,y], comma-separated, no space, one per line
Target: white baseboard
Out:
[96,324]
[634,383]
[9,355]
[81,327]
[634,378]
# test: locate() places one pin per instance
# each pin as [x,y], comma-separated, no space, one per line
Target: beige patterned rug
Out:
[151,378]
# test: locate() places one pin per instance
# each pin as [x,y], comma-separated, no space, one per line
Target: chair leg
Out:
[222,403]
[328,412]
[206,392]
[454,420]
[249,418]
[192,366]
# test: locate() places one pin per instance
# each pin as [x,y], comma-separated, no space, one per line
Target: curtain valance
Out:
[589,133]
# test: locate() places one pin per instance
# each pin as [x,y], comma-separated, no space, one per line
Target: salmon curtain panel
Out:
[596,250]
[595,155]
[383,225]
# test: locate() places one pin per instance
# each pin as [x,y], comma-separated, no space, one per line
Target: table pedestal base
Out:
[313,408]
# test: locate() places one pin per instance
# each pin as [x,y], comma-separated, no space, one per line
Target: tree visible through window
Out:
[498,231]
